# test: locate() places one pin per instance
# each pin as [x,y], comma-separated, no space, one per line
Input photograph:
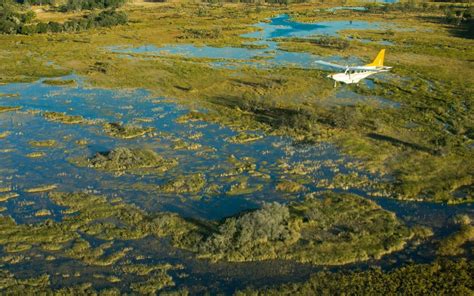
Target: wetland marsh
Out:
[198,149]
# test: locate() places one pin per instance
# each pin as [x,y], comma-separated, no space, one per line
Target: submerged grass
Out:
[43,188]
[4,134]
[127,160]
[9,108]
[60,82]
[193,183]
[63,117]
[424,144]
[7,196]
[122,131]
[43,143]
[453,244]
[444,277]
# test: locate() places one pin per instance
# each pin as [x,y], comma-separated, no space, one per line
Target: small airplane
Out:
[354,74]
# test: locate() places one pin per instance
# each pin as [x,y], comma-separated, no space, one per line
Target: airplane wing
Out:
[349,68]
[369,68]
[331,65]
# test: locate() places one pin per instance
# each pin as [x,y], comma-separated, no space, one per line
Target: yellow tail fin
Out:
[378,62]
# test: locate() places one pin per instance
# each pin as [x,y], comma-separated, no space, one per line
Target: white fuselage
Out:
[352,76]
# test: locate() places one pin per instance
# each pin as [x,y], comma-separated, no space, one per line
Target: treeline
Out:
[401,6]
[414,6]
[452,1]
[74,5]
[457,15]
[454,14]
[14,20]
[12,17]
[283,2]
[36,2]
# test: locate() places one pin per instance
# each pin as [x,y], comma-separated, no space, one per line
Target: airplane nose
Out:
[329,76]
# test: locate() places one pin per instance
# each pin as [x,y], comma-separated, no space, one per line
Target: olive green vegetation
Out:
[353,180]
[126,160]
[63,117]
[453,244]
[430,134]
[244,138]
[43,143]
[9,108]
[289,186]
[179,144]
[330,229]
[234,180]
[60,82]
[9,95]
[43,213]
[20,19]
[153,284]
[442,277]
[193,183]
[43,188]
[11,285]
[424,143]
[7,196]
[118,130]
[5,134]
[5,189]
[241,186]
[37,154]
[93,216]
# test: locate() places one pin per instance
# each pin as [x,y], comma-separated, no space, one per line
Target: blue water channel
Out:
[275,159]
[278,158]
[269,55]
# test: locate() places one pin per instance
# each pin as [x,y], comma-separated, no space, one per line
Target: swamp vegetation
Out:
[129,166]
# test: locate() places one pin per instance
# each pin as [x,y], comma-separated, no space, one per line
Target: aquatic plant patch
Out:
[330,229]
[121,159]
[125,131]
[63,117]
[444,276]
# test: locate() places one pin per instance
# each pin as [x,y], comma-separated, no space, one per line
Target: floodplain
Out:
[199,149]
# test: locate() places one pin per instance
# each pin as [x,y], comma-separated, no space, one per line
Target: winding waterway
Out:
[273,159]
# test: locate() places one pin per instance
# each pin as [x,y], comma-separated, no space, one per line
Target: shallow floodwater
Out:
[353,8]
[137,107]
[267,53]
[276,157]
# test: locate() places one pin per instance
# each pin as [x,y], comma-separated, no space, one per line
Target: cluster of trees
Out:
[401,6]
[283,2]
[12,17]
[74,5]
[106,18]
[455,15]
[331,42]
[412,5]
[14,21]
[36,2]
[254,235]
[202,33]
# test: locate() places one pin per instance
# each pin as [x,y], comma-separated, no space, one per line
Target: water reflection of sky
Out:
[101,105]
[269,55]
[272,154]
[283,27]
